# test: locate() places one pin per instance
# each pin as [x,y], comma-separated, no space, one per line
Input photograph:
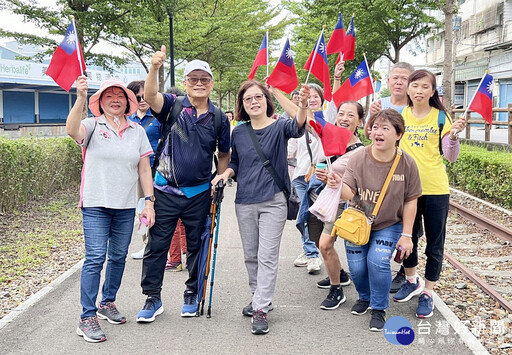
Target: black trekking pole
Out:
[217,198]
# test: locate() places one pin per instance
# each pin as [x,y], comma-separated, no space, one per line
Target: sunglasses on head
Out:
[139,98]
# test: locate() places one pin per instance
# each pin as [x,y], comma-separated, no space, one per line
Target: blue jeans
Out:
[301,186]
[106,231]
[370,265]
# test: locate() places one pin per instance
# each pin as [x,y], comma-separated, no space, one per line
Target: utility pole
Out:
[171,46]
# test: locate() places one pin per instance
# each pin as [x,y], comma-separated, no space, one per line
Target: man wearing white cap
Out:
[182,178]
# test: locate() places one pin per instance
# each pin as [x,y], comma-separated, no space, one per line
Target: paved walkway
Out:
[297,324]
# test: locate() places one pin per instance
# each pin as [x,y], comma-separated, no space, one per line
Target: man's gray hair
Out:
[403,65]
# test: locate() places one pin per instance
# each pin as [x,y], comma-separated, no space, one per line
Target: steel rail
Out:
[479,281]
[483,222]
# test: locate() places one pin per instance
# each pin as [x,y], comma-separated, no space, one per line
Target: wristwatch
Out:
[150,198]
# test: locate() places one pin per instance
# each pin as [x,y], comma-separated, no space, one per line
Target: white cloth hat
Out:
[197,64]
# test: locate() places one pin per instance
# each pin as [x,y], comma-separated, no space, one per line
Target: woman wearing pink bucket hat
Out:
[116,154]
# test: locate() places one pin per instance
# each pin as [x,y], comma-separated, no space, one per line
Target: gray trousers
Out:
[261,227]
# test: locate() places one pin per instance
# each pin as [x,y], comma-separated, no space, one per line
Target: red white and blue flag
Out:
[350,42]
[334,139]
[261,57]
[67,62]
[358,85]
[284,75]
[337,41]
[318,66]
[482,101]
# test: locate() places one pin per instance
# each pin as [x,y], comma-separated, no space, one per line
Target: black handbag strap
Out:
[309,148]
[267,163]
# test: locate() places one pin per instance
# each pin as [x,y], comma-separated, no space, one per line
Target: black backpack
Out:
[171,119]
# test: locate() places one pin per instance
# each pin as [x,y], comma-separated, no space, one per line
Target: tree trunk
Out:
[449,10]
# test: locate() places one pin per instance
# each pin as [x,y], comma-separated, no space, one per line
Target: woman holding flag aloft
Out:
[429,135]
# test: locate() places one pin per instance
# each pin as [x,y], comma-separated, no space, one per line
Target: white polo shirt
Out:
[110,170]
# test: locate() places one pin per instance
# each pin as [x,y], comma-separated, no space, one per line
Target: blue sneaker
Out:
[425,306]
[190,305]
[152,308]
[408,291]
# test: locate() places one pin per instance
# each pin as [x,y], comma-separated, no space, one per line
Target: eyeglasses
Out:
[139,98]
[204,81]
[258,97]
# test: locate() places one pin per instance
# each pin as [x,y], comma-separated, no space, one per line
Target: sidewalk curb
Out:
[463,332]
[32,300]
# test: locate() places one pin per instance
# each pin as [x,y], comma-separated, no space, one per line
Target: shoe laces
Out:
[333,294]
[150,303]
[190,298]
[259,316]
[111,307]
[92,323]
[424,299]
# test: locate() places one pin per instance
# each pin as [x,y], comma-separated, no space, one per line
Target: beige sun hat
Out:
[94,101]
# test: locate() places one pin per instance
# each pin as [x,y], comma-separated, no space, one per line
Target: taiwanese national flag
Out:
[482,102]
[350,42]
[334,139]
[261,57]
[65,67]
[284,76]
[320,67]
[337,41]
[358,85]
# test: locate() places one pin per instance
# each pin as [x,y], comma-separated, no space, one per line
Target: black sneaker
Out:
[259,322]
[360,307]
[109,312]
[334,298]
[378,320]
[344,280]
[90,330]
[398,281]
[247,310]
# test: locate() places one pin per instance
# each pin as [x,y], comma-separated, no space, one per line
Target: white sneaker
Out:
[301,260]
[139,254]
[314,265]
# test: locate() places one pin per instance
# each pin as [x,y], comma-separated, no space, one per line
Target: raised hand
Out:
[158,58]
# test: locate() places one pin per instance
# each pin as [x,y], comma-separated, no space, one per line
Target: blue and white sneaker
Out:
[152,308]
[425,306]
[408,291]
[190,305]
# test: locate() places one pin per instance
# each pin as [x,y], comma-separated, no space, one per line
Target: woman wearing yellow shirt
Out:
[421,140]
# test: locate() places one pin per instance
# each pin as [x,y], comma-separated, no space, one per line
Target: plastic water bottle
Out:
[140,205]
[143,226]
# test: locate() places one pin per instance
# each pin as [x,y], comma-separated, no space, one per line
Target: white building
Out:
[482,41]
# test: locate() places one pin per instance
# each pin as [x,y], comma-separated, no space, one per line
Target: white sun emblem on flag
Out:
[71,37]
[359,73]
[349,29]
[290,54]
[489,87]
[321,47]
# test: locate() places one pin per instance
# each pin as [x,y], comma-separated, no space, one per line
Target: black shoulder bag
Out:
[291,197]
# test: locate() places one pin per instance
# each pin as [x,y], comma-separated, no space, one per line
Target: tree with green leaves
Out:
[383,27]
[226,33]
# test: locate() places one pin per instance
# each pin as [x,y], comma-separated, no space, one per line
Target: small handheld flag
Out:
[350,41]
[482,99]
[261,57]
[358,85]
[67,62]
[334,139]
[318,66]
[284,75]
[337,41]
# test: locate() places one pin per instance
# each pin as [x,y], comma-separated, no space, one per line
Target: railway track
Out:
[498,230]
